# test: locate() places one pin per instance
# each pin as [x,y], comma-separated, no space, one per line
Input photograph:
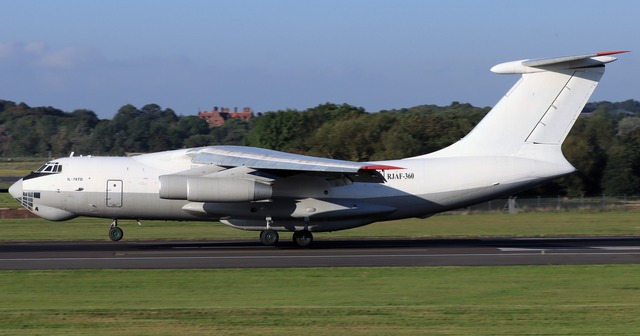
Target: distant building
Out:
[217,117]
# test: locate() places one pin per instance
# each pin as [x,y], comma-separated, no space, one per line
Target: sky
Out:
[289,54]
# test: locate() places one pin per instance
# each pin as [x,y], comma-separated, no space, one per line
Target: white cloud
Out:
[32,48]
[6,49]
[42,56]
[65,58]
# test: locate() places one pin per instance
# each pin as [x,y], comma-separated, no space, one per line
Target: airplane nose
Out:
[16,189]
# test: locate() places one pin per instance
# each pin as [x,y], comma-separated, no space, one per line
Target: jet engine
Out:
[213,189]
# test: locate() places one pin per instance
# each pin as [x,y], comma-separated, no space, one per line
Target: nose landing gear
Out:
[115,233]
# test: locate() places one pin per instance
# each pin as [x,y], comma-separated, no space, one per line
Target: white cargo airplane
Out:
[516,146]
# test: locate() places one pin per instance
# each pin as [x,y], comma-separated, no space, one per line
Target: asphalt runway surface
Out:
[323,253]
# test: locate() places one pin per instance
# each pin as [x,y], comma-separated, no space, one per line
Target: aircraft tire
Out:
[116,233]
[302,238]
[269,237]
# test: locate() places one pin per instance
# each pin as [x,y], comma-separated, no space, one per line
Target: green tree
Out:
[276,130]
[628,125]
[232,132]
[622,173]
[103,139]
[355,139]
[586,148]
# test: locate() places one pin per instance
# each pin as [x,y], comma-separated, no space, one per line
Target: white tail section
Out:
[540,108]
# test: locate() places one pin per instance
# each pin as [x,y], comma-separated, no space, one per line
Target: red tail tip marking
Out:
[606,53]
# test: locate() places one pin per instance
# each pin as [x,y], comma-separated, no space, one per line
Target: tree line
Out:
[604,145]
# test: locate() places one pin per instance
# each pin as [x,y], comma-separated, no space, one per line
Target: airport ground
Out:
[555,299]
[571,299]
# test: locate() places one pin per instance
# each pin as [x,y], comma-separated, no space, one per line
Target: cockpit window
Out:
[50,167]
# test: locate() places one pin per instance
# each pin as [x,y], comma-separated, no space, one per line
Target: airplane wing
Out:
[281,163]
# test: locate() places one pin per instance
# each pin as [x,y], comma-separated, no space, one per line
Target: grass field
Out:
[535,224]
[526,300]
[16,166]
[6,201]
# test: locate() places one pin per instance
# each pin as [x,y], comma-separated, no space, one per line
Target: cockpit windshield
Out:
[50,167]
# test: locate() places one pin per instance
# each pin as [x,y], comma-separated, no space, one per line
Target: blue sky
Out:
[272,55]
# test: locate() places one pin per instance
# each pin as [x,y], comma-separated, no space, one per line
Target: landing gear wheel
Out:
[269,237]
[116,233]
[303,238]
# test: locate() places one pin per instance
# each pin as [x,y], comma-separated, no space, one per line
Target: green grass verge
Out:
[543,224]
[522,300]
[17,166]
[7,201]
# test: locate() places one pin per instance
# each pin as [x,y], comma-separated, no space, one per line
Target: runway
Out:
[324,253]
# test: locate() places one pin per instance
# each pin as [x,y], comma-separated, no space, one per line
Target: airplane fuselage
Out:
[129,188]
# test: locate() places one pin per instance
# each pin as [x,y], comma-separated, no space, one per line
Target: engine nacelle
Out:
[212,189]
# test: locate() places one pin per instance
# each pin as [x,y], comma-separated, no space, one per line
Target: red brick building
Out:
[217,118]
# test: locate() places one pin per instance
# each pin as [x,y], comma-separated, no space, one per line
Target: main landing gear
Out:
[115,233]
[303,238]
[270,237]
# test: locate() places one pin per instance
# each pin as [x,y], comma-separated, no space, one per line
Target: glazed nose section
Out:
[16,189]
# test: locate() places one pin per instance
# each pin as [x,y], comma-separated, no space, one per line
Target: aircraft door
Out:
[114,193]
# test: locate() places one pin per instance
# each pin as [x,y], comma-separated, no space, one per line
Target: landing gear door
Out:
[114,193]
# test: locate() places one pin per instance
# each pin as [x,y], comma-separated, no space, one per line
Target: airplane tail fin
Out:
[538,111]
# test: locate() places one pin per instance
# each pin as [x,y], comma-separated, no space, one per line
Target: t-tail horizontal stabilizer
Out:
[565,62]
